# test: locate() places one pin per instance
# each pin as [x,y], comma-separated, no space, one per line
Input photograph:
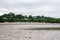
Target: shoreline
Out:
[27,23]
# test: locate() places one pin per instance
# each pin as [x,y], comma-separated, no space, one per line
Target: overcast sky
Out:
[49,8]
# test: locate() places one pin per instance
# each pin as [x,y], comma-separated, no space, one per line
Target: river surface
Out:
[15,31]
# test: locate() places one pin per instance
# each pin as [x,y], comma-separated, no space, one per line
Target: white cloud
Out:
[31,7]
[9,1]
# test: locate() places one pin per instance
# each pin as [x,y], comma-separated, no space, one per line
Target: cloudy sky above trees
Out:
[31,7]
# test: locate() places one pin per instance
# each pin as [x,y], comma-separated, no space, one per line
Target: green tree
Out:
[1,20]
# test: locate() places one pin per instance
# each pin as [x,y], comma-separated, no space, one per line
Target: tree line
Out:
[12,17]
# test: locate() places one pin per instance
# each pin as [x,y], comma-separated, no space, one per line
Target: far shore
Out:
[27,23]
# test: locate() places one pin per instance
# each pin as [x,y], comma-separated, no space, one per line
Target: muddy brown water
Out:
[15,31]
